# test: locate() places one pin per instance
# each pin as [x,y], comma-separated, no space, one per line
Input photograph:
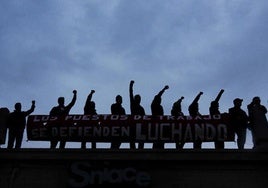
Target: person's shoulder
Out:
[55,107]
[230,109]
[114,105]
[264,107]
[11,113]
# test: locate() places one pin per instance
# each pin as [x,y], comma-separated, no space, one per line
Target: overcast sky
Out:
[49,48]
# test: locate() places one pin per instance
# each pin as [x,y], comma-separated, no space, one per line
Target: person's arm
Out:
[131,96]
[162,91]
[89,97]
[158,96]
[71,104]
[31,109]
[180,100]
[264,109]
[123,111]
[52,111]
[197,97]
[113,110]
[131,90]
[219,95]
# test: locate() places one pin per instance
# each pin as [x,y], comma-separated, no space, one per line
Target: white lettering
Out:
[137,117]
[152,132]
[222,132]
[199,131]
[188,133]
[176,131]
[162,126]
[210,132]
[139,135]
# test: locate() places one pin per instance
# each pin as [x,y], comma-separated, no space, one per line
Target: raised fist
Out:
[92,91]
[74,92]
[166,87]
[33,102]
[132,82]
[201,93]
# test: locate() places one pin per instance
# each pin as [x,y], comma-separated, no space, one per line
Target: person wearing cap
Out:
[239,122]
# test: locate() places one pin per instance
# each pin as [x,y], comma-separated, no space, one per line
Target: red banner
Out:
[125,128]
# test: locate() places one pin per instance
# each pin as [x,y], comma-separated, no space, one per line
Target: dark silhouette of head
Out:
[18,106]
[61,101]
[256,100]
[237,102]
[118,99]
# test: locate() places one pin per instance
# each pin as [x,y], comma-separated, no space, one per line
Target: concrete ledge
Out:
[127,154]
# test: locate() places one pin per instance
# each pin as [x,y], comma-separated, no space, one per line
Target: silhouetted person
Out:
[135,109]
[176,108]
[4,113]
[239,122]
[176,111]
[258,121]
[60,111]
[214,110]
[16,125]
[157,110]
[89,109]
[117,109]
[193,112]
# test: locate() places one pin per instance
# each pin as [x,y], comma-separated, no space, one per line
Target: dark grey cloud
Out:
[48,48]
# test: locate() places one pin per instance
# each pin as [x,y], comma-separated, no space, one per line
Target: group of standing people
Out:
[255,120]
[240,121]
[16,122]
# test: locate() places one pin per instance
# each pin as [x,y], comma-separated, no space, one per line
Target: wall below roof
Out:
[207,168]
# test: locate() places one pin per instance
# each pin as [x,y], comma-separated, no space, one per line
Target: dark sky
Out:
[49,48]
